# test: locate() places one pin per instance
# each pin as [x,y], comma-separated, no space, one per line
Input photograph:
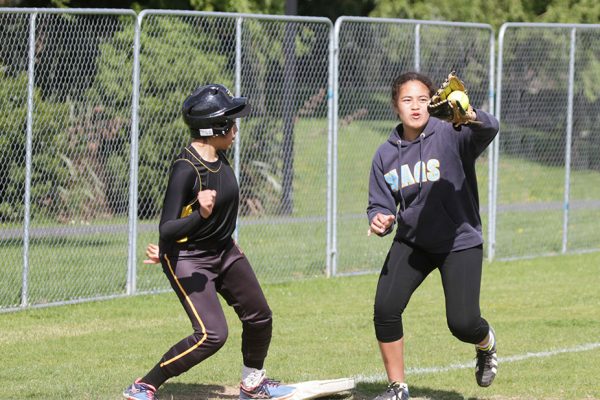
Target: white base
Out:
[316,389]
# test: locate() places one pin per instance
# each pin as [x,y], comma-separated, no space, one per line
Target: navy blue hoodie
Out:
[430,184]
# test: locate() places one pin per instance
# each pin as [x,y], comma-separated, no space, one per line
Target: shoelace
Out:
[149,392]
[268,382]
[485,358]
[255,378]
[263,388]
[396,388]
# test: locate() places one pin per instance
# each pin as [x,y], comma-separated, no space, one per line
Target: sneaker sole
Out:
[485,384]
[289,396]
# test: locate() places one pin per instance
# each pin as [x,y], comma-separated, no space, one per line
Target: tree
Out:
[494,13]
[333,9]
[53,189]
[176,55]
[242,6]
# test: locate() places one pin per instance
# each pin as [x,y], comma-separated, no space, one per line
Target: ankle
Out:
[147,385]
[488,343]
[252,377]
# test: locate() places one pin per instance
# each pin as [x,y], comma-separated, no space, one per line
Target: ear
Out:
[395,107]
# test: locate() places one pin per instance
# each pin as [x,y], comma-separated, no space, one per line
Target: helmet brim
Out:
[240,108]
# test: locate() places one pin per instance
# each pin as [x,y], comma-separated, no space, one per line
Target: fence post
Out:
[133,165]
[332,185]
[494,191]
[330,128]
[492,160]
[238,90]
[569,140]
[28,161]
[418,47]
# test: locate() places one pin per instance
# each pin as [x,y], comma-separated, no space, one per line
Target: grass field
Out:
[545,312]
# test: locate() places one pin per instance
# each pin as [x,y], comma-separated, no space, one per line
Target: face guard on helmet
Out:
[212,110]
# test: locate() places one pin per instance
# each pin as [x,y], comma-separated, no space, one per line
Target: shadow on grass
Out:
[192,391]
[366,391]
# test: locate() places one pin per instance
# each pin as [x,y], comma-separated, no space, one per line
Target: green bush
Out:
[49,171]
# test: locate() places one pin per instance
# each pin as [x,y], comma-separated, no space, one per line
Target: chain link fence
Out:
[87,161]
[14,30]
[90,123]
[546,201]
[370,54]
[63,210]
[280,156]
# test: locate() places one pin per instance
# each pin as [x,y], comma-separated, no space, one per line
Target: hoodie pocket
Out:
[428,225]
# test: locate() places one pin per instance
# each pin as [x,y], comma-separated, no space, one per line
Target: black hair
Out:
[411,76]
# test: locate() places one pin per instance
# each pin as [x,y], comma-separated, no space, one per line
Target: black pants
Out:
[197,276]
[404,270]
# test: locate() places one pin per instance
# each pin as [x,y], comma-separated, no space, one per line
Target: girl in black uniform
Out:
[423,180]
[199,256]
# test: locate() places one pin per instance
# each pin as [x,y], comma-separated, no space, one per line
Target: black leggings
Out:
[404,270]
[197,276]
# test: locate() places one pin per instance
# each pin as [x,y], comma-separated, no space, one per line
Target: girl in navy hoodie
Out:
[423,181]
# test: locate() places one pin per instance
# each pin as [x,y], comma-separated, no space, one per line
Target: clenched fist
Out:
[381,223]
[206,199]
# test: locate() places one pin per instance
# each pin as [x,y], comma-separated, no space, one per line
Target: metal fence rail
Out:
[549,143]
[89,124]
[370,53]
[281,64]
[64,130]
[103,125]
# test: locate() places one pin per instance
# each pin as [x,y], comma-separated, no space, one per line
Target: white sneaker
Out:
[258,386]
[254,378]
[394,391]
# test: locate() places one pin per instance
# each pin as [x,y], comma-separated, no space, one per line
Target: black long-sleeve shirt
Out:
[181,225]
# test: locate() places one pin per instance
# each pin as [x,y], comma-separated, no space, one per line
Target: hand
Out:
[152,254]
[206,199]
[462,116]
[471,114]
[380,224]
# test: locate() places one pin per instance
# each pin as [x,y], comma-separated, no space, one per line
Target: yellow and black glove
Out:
[451,103]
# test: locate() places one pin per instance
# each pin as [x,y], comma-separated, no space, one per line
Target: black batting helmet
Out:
[213,108]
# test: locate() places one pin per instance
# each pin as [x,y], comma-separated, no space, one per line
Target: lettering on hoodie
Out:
[421,172]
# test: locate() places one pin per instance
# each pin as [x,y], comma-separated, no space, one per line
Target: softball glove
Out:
[451,110]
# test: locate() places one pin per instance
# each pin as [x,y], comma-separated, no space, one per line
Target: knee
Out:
[214,339]
[262,322]
[220,337]
[387,313]
[388,324]
[464,329]
[203,344]
[259,318]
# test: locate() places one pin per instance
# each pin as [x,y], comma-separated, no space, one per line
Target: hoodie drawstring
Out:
[402,203]
[422,135]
